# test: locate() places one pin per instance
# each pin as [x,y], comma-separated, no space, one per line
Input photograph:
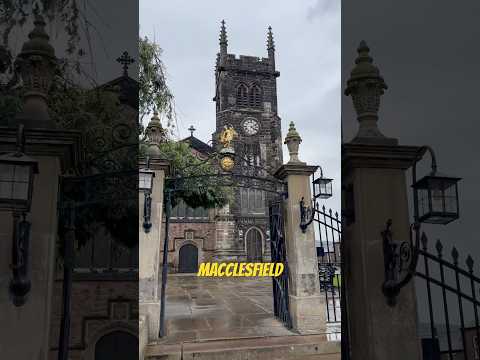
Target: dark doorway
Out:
[118,345]
[254,245]
[188,259]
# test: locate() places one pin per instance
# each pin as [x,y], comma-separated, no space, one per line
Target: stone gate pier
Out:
[373,181]
[307,308]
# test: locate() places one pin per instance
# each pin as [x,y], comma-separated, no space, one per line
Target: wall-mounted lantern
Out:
[145,184]
[437,198]
[322,187]
[435,201]
[145,180]
[17,172]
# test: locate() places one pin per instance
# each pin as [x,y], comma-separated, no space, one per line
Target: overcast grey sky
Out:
[307,39]
[428,53]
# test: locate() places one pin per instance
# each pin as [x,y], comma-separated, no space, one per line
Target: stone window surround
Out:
[247,98]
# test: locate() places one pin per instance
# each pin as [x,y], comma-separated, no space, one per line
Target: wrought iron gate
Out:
[328,238]
[280,284]
[328,235]
[447,293]
[329,247]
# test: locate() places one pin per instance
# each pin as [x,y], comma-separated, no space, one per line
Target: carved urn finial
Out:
[365,86]
[155,135]
[36,65]
[293,140]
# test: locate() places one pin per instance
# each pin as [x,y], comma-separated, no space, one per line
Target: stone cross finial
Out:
[293,140]
[125,60]
[366,86]
[192,130]
[270,42]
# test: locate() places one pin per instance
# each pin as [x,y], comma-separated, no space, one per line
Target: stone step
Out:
[301,347]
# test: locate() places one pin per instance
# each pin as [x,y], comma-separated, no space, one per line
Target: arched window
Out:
[242,95]
[255,96]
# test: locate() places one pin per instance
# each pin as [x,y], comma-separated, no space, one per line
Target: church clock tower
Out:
[246,99]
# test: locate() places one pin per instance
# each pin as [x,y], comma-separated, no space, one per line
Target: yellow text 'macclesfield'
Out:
[240,269]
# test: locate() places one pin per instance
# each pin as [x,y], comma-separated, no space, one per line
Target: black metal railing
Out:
[447,293]
[328,234]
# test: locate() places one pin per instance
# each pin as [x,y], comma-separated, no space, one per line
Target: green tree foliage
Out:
[195,180]
[154,92]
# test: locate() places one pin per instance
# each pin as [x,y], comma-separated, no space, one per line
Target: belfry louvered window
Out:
[251,154]
[255,96]
[242,95]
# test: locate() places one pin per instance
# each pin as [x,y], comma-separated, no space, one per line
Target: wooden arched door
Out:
[188,259]
[254,245]
[118,345]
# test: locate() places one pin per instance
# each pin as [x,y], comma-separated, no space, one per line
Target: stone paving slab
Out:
[217,308]
[222,318]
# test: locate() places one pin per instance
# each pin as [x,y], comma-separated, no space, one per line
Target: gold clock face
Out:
[227,163]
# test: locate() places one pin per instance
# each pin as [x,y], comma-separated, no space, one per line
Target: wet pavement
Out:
[201,308]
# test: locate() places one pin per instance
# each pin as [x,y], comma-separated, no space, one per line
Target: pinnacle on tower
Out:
[270,42]
[223,38]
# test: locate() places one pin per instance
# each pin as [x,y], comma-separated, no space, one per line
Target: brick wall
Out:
[98,307]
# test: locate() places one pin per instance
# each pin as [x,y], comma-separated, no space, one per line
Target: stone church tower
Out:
[246,98]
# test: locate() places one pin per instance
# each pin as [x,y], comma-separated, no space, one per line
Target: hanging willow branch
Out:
[154,93]
[65,15]
[15,13]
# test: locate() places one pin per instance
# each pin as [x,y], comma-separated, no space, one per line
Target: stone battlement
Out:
[245,62]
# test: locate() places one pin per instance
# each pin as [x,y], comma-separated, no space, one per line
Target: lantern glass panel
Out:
[423,203]
[323,188]
[15,184]
[145,179]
